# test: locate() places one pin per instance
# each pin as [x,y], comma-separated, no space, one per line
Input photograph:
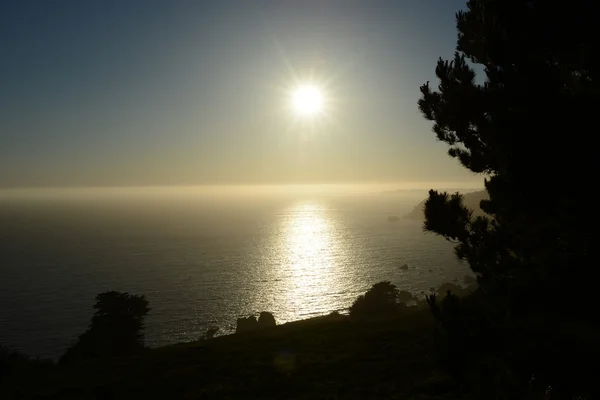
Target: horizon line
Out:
[403,185]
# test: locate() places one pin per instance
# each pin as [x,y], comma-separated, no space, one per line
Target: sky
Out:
[145,92]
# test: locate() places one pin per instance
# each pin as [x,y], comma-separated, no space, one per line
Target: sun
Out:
[308,100]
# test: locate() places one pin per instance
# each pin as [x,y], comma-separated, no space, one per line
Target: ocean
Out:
[203,258]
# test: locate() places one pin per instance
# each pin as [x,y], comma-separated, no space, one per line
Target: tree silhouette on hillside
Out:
[528,128]
[380,300]
[117,327]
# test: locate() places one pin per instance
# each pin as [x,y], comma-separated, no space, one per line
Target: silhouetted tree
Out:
[18,373]
[10,360]
[117,327]
[528,129]
[380,299]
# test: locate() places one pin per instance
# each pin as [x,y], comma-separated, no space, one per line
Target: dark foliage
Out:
[527,129]
[11,361]
[463,333]
[17,371]
[327,357]
[471,200]
[117,328]
[380,300]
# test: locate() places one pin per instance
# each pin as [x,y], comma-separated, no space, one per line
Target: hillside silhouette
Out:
[528,329]
[321,357]
[383,349]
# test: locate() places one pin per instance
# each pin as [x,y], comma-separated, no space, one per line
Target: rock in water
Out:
[405,297]
[210,333]
[443,290]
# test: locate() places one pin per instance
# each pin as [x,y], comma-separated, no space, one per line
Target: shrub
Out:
[210,333]
[14,366]
[380,300]
[117,328]
[10,360]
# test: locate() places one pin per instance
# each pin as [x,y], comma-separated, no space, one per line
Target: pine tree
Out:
[117,328]
[528,128]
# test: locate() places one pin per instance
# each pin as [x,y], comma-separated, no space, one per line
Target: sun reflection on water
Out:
[310,243]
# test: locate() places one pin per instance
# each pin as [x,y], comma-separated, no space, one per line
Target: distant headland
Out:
[470,199]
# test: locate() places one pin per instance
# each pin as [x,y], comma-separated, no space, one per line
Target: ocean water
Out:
[203,260]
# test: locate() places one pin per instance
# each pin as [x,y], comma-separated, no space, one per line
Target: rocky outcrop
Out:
[405,297]
[265,320]
[210,333]
[246,324]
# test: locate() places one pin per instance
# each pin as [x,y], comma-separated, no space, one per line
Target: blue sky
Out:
[145,92]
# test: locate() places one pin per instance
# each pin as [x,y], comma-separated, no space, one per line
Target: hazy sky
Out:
[171,92]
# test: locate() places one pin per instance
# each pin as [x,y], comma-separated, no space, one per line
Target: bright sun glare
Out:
[308,100]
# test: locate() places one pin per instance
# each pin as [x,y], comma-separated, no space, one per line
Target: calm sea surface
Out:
[203,260]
